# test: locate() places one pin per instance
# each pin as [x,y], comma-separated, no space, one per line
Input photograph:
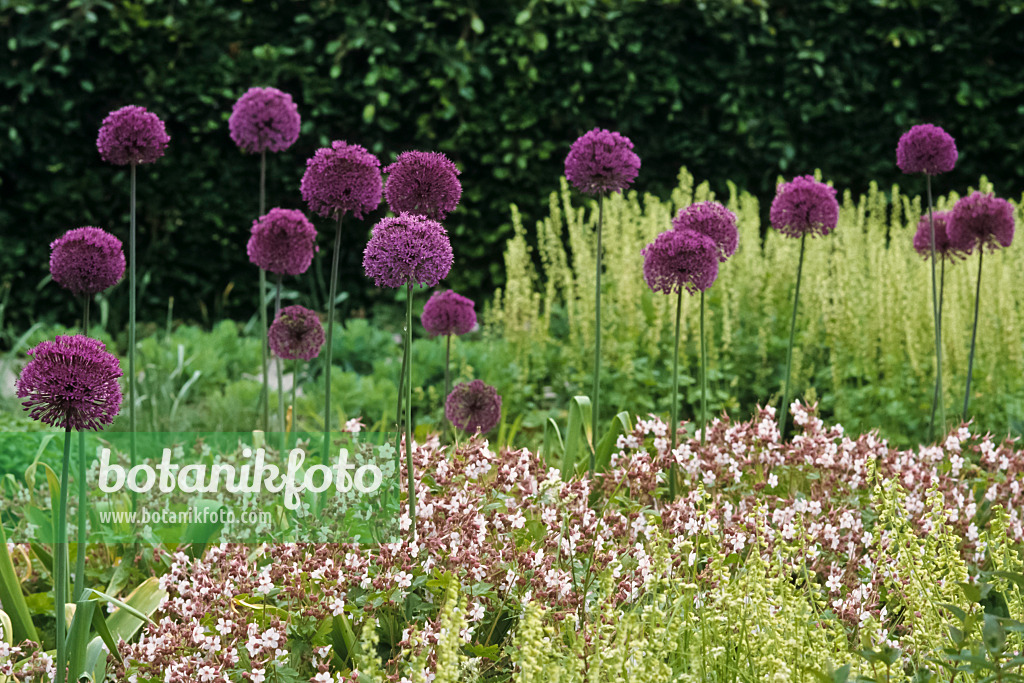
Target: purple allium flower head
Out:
[926,149]
[943,245]
[342,179]
[283,241]
[448,313]
[983,220]
[408,249]
[264,119]
[473,406]
[601,161]
[86,260]
[804,206]
[681,259]
[296,333]
[132,135]
[424,183]
[71,383]
[715,221]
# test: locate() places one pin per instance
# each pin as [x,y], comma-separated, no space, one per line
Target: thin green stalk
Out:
[674,410]
[83,503]
[280,370]
[703,376]
[295,385]
[935,397]
[447,373]
[60,561]
[974,334]
[265,394]
[401,388]
[938,323]
[133,389]
[408,411]
[595,415]
[329,346]
[792,332]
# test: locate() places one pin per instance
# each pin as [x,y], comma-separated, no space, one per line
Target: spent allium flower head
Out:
[715,221]
[283,241]
[71,383]
[342,179]
[981,219]
[943,245]
[448,313]
[601,161]
[473,406]
[264,119]
[926,149]
[296,333]
[424,183]
[86,260]
[681,259]
[408,249]
[132,135]
[804,206]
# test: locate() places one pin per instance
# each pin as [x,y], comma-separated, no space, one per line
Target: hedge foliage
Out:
[740,90]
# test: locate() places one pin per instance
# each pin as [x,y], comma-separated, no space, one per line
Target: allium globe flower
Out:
[342,179]
[264,120]
[296,333]
[408,249]
[448,313]
[71,383]
[86,260]
[473,406]
[804,206]
[943,245]
[681,259]
[283,241]
[132,135]
[715,221]
[981,219]
[601,161]
[424,183]
[926,149]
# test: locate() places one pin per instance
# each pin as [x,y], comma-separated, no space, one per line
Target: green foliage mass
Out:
[740,90]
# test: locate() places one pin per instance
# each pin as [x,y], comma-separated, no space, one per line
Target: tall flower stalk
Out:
[296,334]
[339,179]
[130,136]
[678,260]
[801,207]
[599,162]
[72,384]
[404,251]
[930,150]
[985,221]
[85,261]
[262,120]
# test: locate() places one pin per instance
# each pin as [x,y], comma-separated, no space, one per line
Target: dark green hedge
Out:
[742,90]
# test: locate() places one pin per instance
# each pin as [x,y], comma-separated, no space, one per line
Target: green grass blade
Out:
[577,437]
[78,638]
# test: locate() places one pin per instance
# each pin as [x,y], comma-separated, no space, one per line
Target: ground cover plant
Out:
[586,539]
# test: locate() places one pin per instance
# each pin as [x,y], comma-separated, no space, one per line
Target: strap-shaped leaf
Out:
[578,439]
[20,618]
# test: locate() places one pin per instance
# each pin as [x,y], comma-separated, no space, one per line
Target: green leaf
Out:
[577,436]
[20,618]
[552,448]
[477,24]
[78,638]
[993,634]
[141,603]
[620,425]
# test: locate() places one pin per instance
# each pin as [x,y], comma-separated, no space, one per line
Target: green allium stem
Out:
[280,370]
[596,408]
[936,316]
[974,334]
[936,397]
[447,373]
[295,387]
[408,411]
[60,561]
[329,346]
[674,410]
[133,387]
[401,387]
[83,503]
[703,376]
[265,394]
[792,332]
